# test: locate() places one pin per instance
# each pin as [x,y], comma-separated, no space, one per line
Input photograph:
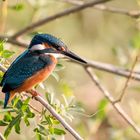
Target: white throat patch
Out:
[38,47]
[56,55]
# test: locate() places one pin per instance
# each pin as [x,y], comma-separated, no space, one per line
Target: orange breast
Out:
[40,76]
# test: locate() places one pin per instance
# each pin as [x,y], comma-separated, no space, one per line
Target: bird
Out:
[34,65]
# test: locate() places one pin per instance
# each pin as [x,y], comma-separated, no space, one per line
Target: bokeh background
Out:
[95,35]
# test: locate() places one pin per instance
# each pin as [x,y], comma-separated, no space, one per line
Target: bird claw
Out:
[33,93]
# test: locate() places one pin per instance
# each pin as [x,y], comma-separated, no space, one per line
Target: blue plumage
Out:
[23,68]
[7,96]
[51,40]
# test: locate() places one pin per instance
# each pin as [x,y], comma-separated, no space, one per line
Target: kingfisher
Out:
[34,65]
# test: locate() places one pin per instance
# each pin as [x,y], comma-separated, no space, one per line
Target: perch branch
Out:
[102,7]
[116,106]
[58,15]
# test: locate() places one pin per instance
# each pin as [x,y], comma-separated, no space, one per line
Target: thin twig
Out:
[116,106]
[58,15]
[128,80]
[102,7]
[34,108]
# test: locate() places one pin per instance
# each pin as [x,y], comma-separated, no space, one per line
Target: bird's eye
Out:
[61,48]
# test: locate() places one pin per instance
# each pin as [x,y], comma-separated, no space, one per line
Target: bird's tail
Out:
[8,97]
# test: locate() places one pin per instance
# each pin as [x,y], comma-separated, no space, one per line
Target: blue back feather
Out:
[22,68]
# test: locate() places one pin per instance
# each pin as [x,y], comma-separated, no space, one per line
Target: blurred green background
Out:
[95,35]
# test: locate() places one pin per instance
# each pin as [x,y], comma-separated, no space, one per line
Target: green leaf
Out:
[58,131]
[51,130]
[39,132]
[103,103]
[55,75]
[101,107]
[44,122]
[50,97]
[7,117]
[136,41]
[1,45]
[19,104]
[3,123]
[11,124]
[49,120]
[17,126]
[1,103]
[25,106]
[41,127]
[17,7]
[1,75]
[15,101]
[7,53]
[26,121]
[59,67]
[27,100]
[56,122]
[29,113]
[39,137]
[66,89]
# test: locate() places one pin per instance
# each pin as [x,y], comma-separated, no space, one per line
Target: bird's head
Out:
[50,45]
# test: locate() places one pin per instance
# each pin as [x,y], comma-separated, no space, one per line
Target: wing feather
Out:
[22,68]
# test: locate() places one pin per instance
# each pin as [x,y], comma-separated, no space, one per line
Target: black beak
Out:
[73,56]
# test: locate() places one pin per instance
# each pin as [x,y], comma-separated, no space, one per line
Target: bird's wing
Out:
[24,67]
[18,58]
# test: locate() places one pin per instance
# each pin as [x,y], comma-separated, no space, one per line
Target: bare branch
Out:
[113,69]
[128,79]
[102,7]
[58,15]
[116,106]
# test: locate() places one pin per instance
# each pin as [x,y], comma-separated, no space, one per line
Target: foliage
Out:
[48,126]
[3,52]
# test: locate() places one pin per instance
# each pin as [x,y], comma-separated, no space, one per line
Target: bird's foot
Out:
[33,93]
